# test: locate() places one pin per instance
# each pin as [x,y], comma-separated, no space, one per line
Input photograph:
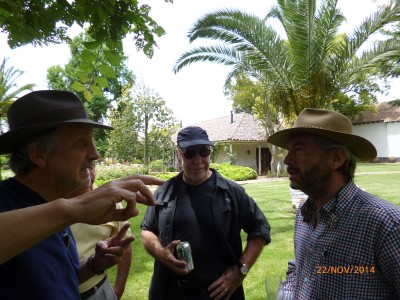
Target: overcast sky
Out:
[194,94]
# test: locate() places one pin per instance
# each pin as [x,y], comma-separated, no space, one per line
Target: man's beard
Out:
[314,181]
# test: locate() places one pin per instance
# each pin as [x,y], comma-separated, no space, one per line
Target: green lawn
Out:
[274,199]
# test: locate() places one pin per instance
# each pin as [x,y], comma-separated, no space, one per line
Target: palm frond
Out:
[215,53]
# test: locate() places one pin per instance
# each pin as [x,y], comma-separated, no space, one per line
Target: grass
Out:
[274,200]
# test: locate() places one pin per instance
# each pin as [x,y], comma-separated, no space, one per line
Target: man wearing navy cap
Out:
[209,211]
[51,150]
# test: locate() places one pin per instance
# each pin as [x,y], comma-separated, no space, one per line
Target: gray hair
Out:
[348,168]
[20,162]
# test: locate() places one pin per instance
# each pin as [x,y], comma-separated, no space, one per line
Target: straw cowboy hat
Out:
[328,124]
[41,110]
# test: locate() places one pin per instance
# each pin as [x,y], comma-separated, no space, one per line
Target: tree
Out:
[143,127]
[108,22]
[310,66]
[391,68]
[160,144]
[71,78]
[124,143]
[9,90]
[253,97]
[150,109]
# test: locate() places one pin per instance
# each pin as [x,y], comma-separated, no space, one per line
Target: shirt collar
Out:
[336,205]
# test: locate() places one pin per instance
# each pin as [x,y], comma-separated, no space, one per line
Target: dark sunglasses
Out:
[191,153]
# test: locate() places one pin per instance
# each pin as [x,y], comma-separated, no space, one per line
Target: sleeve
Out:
[253,220]
[150,221]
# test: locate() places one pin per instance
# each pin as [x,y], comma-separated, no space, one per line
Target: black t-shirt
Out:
[194,222]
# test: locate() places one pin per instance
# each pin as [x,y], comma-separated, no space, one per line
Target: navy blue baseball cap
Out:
[192,136]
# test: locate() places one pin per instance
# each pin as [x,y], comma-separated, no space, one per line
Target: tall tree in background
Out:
[308,67]
[142,127]
[108,22]
[150,109]
[160,144]
[124,144]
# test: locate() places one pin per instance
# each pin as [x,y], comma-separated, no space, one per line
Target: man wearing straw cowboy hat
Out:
[51,149]
[346,241]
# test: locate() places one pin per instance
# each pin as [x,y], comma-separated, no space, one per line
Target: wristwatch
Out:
[243,268]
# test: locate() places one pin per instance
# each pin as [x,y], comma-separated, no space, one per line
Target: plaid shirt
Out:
[353,252]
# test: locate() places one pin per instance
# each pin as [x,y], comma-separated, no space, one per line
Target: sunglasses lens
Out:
[191,153]
[204,152]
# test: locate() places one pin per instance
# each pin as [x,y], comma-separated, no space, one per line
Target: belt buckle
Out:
[183,283]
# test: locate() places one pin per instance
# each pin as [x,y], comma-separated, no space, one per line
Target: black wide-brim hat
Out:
[330,125]
[41,110]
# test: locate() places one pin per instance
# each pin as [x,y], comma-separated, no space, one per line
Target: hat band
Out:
[54,116]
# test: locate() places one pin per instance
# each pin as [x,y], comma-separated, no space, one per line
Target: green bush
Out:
[156,166]
[105,173]
[236,173]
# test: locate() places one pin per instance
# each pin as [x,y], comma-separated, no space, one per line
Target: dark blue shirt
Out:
[47,270]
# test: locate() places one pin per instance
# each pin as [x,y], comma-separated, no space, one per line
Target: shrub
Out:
[105,173]
[236,173]
[156,166]
[392,159]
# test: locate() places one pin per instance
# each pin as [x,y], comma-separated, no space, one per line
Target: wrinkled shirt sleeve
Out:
[150,222]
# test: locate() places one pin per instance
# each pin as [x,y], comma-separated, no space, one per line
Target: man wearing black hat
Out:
[346,240]
[208,211]
[51,150]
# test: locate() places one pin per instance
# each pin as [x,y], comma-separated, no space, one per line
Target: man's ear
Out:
[37,155]
[338,157]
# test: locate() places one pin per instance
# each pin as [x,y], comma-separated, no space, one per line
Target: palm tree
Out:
[312,65]
[8,89]
[8,92]
[309,67]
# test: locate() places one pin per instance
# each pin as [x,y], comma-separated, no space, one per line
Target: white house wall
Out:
[384,136]
[393,130]
[243,158]
[246,156]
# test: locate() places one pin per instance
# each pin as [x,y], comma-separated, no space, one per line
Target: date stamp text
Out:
[345,270]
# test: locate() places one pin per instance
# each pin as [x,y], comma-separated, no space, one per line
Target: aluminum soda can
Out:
[184,252]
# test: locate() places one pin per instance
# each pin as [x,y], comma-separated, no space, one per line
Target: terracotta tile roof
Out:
[386,112]
[244,128]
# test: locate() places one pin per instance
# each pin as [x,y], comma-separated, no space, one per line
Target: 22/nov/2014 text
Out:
[345,270]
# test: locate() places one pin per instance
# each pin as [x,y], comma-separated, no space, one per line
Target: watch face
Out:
[244,269]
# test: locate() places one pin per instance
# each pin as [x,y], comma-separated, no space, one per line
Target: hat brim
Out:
[10,139]
[194,143]
[361,148]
